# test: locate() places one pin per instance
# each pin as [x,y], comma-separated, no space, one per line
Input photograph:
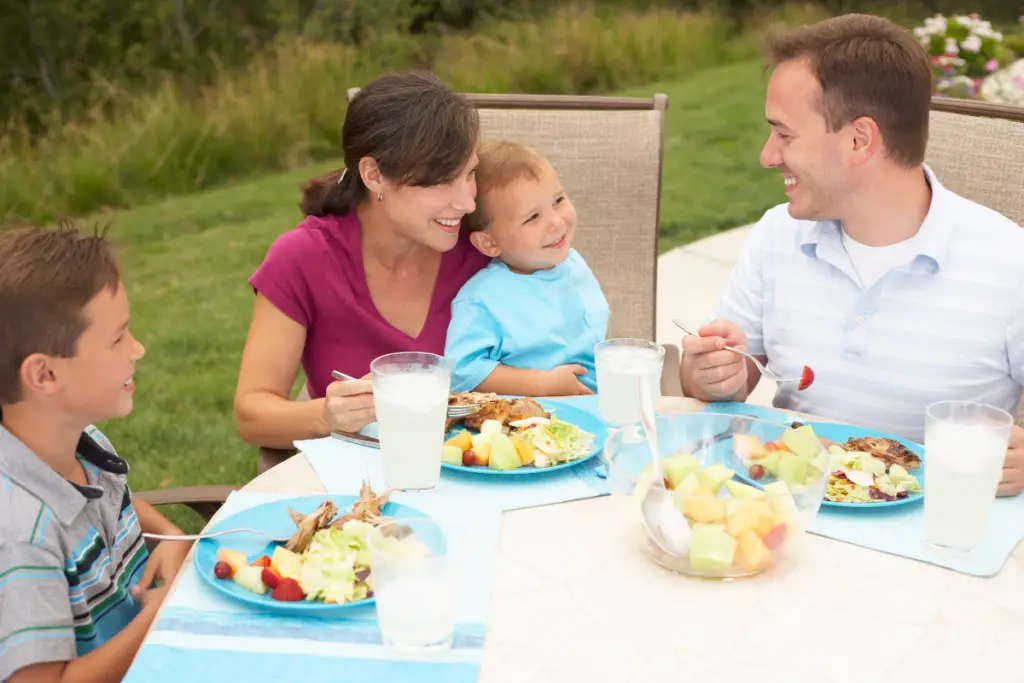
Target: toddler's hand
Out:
[563,381]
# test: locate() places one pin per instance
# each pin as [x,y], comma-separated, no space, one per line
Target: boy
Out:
[75,579]
[526,324]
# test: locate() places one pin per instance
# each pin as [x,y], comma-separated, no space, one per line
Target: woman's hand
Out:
[348,405]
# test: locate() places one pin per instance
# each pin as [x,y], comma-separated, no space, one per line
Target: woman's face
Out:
[432,215]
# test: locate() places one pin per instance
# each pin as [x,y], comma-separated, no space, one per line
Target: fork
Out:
[454,412]
[765,372]
[214,534]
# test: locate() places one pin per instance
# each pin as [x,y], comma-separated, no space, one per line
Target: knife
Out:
[358,439]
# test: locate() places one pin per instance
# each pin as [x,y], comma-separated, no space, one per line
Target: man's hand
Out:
[164,563]
[710,372]
[1012,482]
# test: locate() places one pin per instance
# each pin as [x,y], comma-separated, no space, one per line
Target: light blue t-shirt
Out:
[539,321]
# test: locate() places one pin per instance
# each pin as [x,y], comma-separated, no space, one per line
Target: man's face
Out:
[808,156]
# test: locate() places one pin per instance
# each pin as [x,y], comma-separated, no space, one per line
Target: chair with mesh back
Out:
[977,150]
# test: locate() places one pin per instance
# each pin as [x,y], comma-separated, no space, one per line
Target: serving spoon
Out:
[665,524]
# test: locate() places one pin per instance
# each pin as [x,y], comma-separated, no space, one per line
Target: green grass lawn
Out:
[187,261]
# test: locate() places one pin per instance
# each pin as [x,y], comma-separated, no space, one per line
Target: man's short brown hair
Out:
[47,277]
[501,163]
[866,66]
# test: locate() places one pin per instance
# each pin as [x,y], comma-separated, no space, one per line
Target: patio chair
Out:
[977,150]
[204,500]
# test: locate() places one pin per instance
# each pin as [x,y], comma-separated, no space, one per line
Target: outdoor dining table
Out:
[574,599]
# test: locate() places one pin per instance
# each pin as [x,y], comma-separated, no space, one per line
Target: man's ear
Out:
[38,374]
[865,140]
[485,244]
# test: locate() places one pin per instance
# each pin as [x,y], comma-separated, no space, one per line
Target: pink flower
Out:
[991,65]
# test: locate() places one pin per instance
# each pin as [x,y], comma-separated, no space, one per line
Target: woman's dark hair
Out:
[417,130]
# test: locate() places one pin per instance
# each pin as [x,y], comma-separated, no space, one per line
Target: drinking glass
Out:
[620,362]
[965,446]
[410,395]
[414,584]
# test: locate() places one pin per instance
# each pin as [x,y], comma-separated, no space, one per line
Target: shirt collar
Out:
[931,241]
[64,498]
[554,273]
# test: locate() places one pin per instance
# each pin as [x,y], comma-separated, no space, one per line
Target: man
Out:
[894,290]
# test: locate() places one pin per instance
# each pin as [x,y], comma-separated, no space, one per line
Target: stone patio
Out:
[690,279]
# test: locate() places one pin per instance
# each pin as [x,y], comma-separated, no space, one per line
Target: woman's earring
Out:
[380,196]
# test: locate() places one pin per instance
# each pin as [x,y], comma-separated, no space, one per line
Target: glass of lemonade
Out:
[414,584]
[965,446]
[620,362]
[410,395]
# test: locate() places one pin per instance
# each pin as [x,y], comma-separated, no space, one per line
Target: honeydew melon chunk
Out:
[712,549]
[712,477]
[782,501]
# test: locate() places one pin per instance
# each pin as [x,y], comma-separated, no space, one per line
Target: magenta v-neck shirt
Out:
[314,275]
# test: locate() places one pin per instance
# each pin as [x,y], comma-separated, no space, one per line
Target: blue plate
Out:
[274,519]
[839,433]
[564,412]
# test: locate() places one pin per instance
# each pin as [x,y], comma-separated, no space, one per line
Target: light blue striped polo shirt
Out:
[947,325]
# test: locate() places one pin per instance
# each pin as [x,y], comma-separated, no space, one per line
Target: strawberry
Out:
[261,561]
[271,579]
[288,590]
[806,377]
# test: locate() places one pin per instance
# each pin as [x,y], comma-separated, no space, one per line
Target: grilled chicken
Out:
[309,525]
[366,509]
[889,451]
[505,411]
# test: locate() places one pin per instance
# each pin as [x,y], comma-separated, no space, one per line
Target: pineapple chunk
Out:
[285,563]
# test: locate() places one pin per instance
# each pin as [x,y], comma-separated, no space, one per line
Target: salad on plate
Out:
[538,441]
[326,560]
[863,470]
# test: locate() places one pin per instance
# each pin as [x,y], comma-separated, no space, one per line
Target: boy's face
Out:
[532,223]
[98,382]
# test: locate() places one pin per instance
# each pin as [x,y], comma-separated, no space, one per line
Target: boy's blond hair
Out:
[47,277]
[501,163]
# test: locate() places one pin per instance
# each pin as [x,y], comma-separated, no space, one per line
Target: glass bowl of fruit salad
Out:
[736,529]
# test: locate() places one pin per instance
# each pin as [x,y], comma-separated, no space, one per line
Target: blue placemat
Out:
[341,466]
[201,635]
[900,530]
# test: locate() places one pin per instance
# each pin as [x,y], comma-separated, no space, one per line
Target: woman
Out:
[373,267]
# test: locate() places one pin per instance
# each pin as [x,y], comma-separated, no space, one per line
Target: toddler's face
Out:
[532,224]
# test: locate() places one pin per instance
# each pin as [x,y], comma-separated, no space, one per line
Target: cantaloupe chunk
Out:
[525,451]
[752,553]
[233,558]
[462,440]
[703,508]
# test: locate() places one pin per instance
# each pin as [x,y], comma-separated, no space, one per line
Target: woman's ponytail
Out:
[334,194]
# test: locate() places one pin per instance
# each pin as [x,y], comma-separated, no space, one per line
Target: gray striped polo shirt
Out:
[68,554]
